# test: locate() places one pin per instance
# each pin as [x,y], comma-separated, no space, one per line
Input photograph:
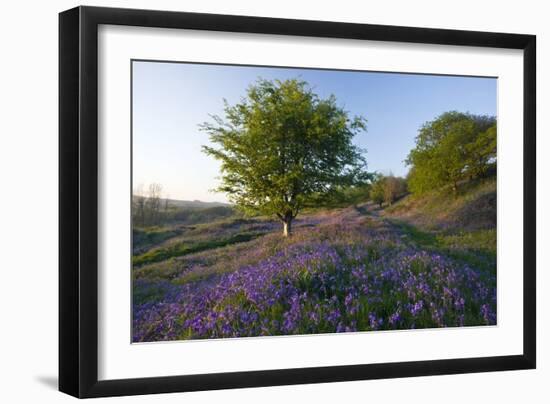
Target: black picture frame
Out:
[78,201]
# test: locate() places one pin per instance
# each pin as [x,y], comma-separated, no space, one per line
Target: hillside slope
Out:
[461,226]
[473,208]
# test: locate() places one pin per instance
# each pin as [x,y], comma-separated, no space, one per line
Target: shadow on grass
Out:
[181,249]
[475,249]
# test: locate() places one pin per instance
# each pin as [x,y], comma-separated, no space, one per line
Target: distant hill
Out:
[195,204]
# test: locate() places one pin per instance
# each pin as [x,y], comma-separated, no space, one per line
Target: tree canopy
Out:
[282,148]
[377,194]
[453,147]
[387,188]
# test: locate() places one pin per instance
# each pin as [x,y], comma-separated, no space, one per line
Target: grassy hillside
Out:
[193,204]
[472,208]
[463,225]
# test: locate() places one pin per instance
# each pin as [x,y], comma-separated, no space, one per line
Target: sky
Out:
[170,100]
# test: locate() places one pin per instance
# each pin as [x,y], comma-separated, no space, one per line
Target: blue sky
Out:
[170,100]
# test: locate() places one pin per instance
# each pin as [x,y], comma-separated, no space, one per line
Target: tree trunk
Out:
[287,226]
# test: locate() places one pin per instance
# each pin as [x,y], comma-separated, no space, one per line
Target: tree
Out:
[153,202]
[146,208]
[377,194]
[387,189]
[283,148]
[138,202]
[482,152]
[453,147]
[393,188]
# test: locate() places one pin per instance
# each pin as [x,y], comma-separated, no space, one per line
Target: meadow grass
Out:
[416,264]
[145,238]
[475,248]
[185,248]
[472,208]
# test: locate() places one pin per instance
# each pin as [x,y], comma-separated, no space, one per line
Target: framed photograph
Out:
[251,201]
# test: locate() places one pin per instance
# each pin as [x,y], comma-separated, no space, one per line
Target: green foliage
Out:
[377,191]
[387,189]
[453,147]
[343,197]
[394,188]
[282,148]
